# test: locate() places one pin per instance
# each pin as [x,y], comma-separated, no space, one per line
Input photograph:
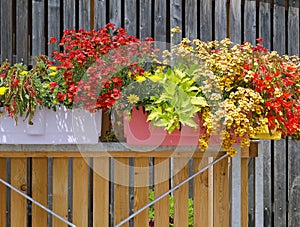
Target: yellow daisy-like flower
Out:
[140,79]
[53,68]
[133,98]
[2,90]
[154,78]
[52,73]
[24,73]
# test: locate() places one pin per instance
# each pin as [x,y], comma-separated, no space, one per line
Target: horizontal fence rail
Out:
[102,188]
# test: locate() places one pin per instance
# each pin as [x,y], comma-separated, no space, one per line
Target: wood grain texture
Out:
[38,28]
[145,17]
[279,25]
[191,19]
[181,172]
[236,190]
[60,189]
[244,192]
[131,17]
[201,194]
[265,22]
[101,192]
[6,30]
[221,193]
[69,14]
[18,202]
[141,190]
[280,162]
[205,11]
[160,21]
[293,27]
[294,183]
[220,19]
[39,190]
[259,186]
[85,14]
[53,22]
[267,183]
[161,181]
[176,7]
[250,21]
[3,192]
[235,21]
[121,190]
[115,12]
[99,13]
[80,192]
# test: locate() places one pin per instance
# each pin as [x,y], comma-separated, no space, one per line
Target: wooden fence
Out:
[77,185]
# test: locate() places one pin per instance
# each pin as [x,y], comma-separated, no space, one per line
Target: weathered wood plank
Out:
[3,192]
[205,11]
[101,192]
[259,186]
[293,27]
[160,21]
[250,21]
[80,192]
[39,190]
[236,190]
[191,19]
[161,181]
[294,183]
[18,202]
[69,14]
[38,28]
[220,20]
[251,191]
[145,19]
[53,22]
[235,21]
[131,17]
[201,194]
[267,183]
[279,25]
[176,19]
[221,193]
[141,190]
[6,30]
[181,172]
[99,14]
[60,189]
[121,190]
[280,162]
[85,14]
[115,12]
[265,22]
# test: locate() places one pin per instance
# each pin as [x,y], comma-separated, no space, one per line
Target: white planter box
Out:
[62,126]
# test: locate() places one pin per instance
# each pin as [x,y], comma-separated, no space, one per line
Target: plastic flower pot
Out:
[63,126]
[264,134]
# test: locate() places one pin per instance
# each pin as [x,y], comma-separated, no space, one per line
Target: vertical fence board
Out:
[265,22]
[121,190]
[280,183]
[201,196]
[38,28]
[293,27]
[244,192]
[60,189]
[259,184]
[6,30]
[141,190]
[131,17]
[220,20]
[294,183]
[69,14]
[279,26]
[235,21]
[205,11]
[3,192]
[18,202]
[181,170]
[161,181]
[267,183]
[191,19]
[236,190]
[115,12]
[145,18]
[101,192]
[160,21]
[221,193]
[53,22]
[176,8]
[250,21]
[99,14]
[80,192]
[85,14]
[39,190]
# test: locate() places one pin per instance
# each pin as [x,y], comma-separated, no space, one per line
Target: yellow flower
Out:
[154,78]
[52,73]
[53,68]
[2,90]
[133,98]
[24,73]
[140,79]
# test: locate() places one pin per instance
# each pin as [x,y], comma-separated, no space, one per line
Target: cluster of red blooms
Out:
[277,80]
[91,64]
